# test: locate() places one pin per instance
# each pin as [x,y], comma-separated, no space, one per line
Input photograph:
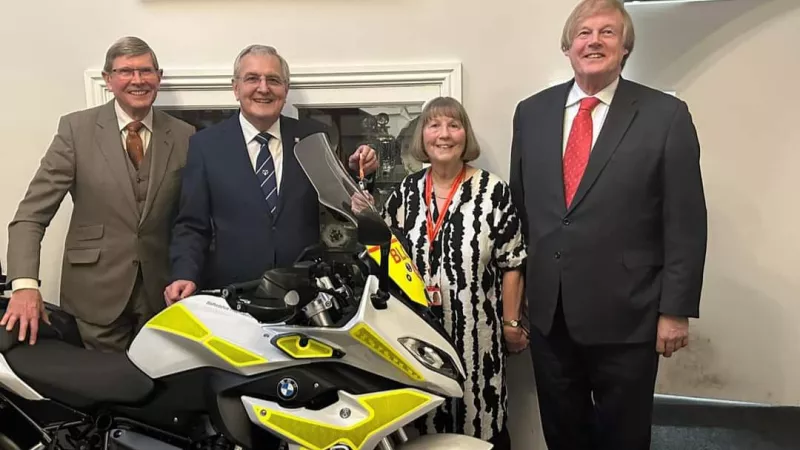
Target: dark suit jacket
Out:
[108,239]
[633,242]
[224,232]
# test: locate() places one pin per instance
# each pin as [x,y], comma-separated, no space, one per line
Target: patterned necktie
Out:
[134,145]
[579,145]
[265,171]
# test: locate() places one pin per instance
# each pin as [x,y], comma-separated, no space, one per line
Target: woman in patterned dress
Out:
[466,239]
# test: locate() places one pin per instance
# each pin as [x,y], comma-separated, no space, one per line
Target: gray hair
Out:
[128,46]
[263,50]
[588,8]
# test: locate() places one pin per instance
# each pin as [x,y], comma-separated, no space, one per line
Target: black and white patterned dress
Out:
[479,239]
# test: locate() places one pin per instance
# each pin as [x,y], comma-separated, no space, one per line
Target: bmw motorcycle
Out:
[337,352]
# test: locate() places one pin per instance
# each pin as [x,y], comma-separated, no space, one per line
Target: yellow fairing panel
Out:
[177,319]
[293,347]
[370,339]
[384,410]
[403,271]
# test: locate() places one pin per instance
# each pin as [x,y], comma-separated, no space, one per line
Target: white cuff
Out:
[24,283]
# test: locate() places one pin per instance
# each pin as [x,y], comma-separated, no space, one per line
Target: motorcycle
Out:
[336,352]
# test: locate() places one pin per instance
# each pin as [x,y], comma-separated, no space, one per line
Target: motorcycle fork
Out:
[394,440]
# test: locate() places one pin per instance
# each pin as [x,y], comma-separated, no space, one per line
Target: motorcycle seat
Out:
[62,327]
[78,377]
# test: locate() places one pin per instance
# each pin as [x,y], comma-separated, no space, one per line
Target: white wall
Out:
[734,61]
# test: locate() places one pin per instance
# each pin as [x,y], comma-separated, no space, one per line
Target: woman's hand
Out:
[361,201]
[516,338]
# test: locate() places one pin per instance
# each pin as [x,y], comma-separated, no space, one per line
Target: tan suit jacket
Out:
[108,239]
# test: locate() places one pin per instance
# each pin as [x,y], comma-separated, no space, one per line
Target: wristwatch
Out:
[511,323]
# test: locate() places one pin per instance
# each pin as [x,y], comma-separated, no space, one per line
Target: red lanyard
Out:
[434,230]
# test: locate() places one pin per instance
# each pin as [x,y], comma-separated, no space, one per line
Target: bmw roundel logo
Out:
[287,389]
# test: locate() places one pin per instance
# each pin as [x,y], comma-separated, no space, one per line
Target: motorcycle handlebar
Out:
[243,286]
[229,292]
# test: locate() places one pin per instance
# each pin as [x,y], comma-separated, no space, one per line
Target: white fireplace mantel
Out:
[357,85]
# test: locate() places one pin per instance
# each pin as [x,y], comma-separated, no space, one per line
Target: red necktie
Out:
[579,145]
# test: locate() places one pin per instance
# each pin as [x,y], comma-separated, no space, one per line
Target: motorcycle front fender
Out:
[446,441]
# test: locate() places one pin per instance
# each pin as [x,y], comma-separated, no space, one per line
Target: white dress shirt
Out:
[123,119]
[275,145]
[599,113]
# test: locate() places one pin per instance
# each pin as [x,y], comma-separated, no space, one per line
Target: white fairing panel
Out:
[391,324]
[329,415]
[159,353]
[369,342]
[13,383]
[358,415]
[446,442]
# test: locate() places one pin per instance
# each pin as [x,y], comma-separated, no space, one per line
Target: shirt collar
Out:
[576,94]
[250,131]
[123,119]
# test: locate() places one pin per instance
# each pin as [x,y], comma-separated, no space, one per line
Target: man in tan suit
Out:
[121,163]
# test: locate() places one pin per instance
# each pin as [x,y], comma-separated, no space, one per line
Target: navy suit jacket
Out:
[632,244]
[223,232]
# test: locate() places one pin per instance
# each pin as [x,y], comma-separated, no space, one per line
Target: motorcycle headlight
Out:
[431,357]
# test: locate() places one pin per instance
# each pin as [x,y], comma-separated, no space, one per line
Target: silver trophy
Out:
[376,129]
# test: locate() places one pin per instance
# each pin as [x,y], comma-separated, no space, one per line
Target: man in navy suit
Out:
[246,205]
[607,175]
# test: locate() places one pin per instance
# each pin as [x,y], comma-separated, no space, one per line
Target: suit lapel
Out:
[553,133]
[620,115]
[109,143]
[288,139]
[161,144]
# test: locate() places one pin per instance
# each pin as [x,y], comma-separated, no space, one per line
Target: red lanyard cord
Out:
[433,230]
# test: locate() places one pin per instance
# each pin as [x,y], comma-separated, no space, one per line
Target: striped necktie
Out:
[265,171]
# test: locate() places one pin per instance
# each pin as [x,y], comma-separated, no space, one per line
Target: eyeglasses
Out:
[252,79]
[127,72]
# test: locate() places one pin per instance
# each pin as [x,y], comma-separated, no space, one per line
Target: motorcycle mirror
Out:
[373,231]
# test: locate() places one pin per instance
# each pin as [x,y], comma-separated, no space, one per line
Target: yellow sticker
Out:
[402,271]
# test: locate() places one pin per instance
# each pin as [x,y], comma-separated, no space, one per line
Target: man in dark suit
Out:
[120,162]
[246,205]
[606,173]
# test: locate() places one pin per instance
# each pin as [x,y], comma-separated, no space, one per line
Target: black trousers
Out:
[593,396]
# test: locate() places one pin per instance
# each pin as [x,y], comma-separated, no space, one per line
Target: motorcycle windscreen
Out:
[337,190]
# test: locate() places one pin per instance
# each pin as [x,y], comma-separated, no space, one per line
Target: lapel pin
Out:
[296,140]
